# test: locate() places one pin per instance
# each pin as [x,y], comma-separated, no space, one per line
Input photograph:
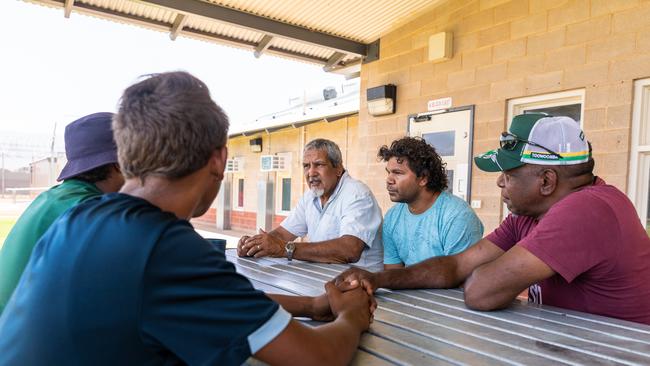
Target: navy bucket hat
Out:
[88,144]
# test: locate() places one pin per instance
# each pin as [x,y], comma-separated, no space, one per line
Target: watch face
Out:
[290,246]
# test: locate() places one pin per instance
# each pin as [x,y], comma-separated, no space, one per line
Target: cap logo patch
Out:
[492,155]
[541,155]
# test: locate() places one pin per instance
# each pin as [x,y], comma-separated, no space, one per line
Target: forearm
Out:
[496,284]
[329,344]
[296,305]
[282,233]
[438,272]
[343,335]
[393,266]
[480,295]
[338,341]
[341,250]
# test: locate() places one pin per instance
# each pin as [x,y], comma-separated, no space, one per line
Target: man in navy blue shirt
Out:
[124,279]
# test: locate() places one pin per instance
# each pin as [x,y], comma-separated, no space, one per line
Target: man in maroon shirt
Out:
[572,240]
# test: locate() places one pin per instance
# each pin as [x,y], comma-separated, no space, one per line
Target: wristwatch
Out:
[290,247]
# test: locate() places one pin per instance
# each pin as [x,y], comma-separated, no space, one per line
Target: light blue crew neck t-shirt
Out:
[448,227]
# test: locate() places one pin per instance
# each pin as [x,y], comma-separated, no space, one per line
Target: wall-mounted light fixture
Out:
[256,144]
[440,47]
[381,99]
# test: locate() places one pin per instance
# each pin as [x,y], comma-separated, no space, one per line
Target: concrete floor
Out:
[208,230]
[11,210]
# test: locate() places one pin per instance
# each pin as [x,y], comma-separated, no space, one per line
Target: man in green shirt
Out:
[90,171]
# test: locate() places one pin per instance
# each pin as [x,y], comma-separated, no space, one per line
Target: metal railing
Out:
[15,191]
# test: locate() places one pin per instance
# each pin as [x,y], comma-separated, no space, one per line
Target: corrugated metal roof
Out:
[361,20]
[312,31]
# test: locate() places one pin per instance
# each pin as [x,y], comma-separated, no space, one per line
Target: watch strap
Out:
[290,247]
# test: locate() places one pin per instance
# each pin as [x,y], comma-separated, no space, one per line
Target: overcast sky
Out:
[54,69]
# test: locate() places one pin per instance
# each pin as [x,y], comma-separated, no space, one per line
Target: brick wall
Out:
[277,220]
[512,49]
[243,220]
[210,217]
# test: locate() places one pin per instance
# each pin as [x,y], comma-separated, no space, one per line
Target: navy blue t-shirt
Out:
[116,281]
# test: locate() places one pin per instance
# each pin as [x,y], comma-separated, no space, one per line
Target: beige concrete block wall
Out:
[240,147]
[288,141]
[343,131]
[512,49]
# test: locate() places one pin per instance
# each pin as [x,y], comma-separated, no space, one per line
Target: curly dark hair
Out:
[421,158]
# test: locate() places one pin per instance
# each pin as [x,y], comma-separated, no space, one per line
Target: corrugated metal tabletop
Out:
[423,327]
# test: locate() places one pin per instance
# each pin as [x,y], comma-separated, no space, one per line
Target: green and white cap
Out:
[537,139]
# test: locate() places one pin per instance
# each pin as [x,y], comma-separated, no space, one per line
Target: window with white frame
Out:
[639,182]
[283,193]
[280,163]
[567,103]
[238,189]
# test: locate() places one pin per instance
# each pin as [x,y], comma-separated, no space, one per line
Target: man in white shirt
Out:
[338,214]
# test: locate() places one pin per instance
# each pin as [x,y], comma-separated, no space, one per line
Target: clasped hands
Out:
[349,291]
[355,304]
[355,277]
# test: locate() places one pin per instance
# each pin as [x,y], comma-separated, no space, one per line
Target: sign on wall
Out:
[438,104]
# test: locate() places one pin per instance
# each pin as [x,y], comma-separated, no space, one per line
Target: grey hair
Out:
[332,149]
[167,125]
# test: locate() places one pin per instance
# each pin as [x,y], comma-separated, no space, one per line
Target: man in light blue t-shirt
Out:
[427,221]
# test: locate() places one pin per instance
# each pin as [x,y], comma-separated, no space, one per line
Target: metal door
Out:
[450,132]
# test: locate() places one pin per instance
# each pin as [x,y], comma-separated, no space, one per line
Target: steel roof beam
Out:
[263,45]
[189,32]
[67,8]
[208,36]
[261,24]
[179,23]
[334,60]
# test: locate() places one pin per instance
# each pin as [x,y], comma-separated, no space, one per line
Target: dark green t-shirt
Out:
[32,224]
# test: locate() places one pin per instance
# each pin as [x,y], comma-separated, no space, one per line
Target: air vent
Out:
[235,165]
[275,163]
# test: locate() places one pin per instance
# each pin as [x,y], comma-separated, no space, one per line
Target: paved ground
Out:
[10,211]
[210,231]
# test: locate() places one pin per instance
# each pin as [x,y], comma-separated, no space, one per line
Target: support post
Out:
[224,203]
[265,189]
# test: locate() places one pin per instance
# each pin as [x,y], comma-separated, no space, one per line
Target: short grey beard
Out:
[318,192]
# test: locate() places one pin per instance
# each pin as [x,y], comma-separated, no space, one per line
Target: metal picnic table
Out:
[424,327]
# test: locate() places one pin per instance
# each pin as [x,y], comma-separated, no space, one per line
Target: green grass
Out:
[5,227]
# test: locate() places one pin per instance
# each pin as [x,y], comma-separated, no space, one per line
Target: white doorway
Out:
[638,189]
[450,131]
